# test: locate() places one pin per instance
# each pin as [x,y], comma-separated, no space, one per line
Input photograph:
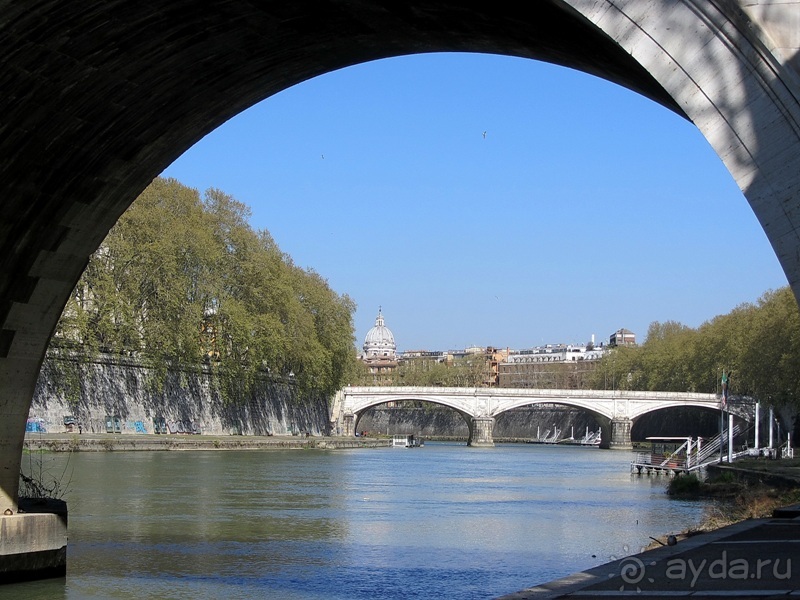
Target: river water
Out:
[441,521]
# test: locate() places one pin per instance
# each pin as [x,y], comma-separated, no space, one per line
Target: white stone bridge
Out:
[615,410]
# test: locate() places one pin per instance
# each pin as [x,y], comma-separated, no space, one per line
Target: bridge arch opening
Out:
[421,418]
[548,422]
[690,421]
[117,114]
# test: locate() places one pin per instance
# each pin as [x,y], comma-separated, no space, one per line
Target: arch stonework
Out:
[98,98]
[479,422]
[615,410]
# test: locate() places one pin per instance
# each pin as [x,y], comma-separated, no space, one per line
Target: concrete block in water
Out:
[33,542]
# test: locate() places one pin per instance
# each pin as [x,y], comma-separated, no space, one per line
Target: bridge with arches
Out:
[615,410]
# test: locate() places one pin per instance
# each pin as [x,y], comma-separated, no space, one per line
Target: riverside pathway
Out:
[101,442]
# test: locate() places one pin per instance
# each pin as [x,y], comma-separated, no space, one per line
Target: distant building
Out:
[424,357]
[380,352]
[493,357]
[554,366]
[622,337]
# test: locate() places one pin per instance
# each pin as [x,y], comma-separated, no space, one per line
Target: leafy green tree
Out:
[466,371]
[758,345]
[182,279]
[770,359]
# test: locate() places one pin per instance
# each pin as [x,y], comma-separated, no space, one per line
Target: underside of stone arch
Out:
[99,97]
[476,436]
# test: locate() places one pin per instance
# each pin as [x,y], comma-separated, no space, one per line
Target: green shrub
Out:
[684,485]
[723,477]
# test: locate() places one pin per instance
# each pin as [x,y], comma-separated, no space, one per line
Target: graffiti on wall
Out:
[188,427]
[35,426]
[136,426]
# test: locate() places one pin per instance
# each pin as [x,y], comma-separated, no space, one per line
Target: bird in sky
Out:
[484,135]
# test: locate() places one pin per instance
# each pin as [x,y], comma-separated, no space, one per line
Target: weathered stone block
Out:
[33,545]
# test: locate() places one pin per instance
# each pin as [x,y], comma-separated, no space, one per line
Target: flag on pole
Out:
[724,402]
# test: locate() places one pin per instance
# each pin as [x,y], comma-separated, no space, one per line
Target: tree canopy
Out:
[466,371]
[757,345]
[183,280]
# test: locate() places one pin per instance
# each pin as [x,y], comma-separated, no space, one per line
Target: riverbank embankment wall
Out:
[118,392]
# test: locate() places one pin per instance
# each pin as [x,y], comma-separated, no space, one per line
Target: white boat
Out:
[406,441]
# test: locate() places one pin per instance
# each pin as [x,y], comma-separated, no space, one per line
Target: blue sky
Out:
[583,209]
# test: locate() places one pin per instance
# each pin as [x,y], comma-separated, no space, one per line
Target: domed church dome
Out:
[379,342]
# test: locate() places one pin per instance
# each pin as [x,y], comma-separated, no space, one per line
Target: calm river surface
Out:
[442,521]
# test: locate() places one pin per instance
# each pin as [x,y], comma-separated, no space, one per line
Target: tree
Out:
[759,344]
[181,279]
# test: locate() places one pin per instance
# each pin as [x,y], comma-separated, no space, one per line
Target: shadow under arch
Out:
[604,421]
[677,421]
[361,412]
[99,99]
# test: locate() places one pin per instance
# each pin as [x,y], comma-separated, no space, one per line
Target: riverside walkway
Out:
[103,442]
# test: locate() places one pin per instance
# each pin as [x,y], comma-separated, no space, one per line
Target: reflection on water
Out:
[440,521]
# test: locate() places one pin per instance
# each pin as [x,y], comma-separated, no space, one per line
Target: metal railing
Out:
[689,456]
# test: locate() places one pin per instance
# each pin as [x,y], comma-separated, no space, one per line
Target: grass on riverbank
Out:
[749,501]
[739,494]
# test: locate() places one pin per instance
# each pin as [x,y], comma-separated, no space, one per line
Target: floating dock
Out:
[406,441]
[675,456]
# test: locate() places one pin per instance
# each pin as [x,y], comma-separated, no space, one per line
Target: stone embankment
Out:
[118,394]
[50,442]
[73,442]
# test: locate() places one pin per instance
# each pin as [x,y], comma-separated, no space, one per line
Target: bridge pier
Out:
[480,432]
[617,435]
[33,541]
[348,425]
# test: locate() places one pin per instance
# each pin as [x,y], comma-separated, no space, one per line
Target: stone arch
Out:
[361,410]
[603,419]
[99,99]
[707,421]
[738,410]
[582,405]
